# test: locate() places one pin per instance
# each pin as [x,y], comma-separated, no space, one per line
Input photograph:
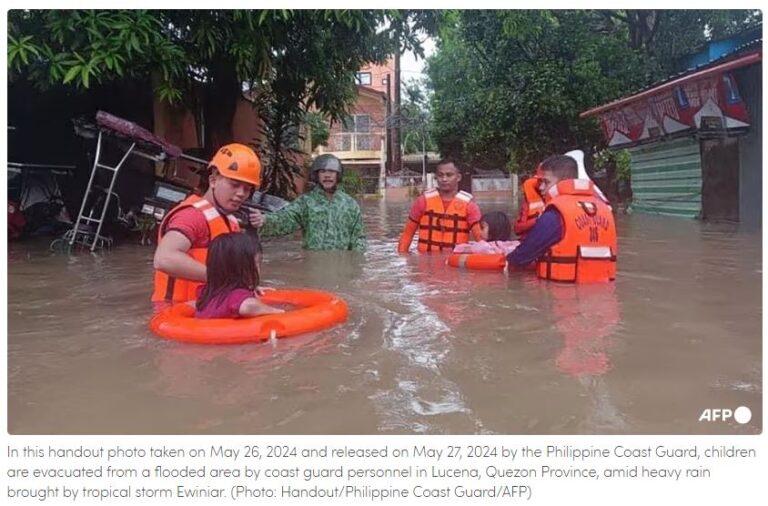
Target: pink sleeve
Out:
[236,298]
[418,208]
[192,224]
[473,213]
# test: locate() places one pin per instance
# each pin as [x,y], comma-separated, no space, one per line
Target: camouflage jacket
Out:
[335,223]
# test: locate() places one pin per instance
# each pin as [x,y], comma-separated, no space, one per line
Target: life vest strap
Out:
[445,229]
[169,286]
[439,244]
[573,260]
[444,216]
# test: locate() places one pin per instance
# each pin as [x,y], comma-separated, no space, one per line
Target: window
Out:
[356,129]
[731,93]
[362,123]
[681,98]
[359,123]
[363,78]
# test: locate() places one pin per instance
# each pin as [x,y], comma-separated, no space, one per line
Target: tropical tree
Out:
[292,61]
[509,85]
[318,129]
[201,58]
[416,118]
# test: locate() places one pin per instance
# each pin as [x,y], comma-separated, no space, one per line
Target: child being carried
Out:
[495,230]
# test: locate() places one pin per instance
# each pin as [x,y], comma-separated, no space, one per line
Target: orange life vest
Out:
[441,228]
[531,207]
[172,289]
[569,185]
[587,251]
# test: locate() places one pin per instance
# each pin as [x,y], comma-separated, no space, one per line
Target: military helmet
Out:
[327,162]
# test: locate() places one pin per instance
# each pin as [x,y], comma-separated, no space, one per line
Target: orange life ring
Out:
[478,261]
[316,310]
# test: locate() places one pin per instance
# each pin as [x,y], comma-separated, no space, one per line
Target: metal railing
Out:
[348,141]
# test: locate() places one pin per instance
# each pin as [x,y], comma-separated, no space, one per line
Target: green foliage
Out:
[416,119]
[292,61]
[318,128]
[666,35]
[312,69]
[508,86]
[623,166]
[352,183]
[82,47]
[281,159]
[617,163]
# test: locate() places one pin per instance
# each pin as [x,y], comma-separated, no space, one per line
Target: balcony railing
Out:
[348,141]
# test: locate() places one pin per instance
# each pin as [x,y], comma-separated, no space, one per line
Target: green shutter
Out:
[666,178]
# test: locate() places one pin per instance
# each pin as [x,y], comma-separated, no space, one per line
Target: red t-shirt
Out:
[419,207]
[227,306]
[190,222]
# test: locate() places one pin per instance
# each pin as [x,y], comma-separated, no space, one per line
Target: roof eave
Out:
[742,61]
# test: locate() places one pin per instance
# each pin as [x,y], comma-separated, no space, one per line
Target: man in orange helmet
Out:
[186,231]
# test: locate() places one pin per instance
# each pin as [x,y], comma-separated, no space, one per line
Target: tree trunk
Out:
[220,104]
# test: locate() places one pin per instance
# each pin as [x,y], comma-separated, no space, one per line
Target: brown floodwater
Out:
[427,349]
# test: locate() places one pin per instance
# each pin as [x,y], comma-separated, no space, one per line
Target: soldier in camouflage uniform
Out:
[328,217]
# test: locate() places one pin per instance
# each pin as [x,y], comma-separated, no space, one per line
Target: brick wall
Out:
[379,72]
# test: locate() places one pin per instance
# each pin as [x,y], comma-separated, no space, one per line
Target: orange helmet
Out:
[239,162]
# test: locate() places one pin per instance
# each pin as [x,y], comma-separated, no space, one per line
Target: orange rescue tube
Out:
[478,261]
[316,310]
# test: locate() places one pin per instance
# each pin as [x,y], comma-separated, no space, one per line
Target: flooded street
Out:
[427,349]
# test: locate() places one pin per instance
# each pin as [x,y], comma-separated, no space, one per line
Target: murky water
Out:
[427,349]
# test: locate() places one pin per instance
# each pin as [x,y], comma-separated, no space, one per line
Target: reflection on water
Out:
[428,349]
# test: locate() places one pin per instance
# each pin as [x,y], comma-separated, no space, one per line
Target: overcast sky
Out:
[410,67]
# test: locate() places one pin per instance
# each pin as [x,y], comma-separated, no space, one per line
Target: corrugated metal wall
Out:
[666,178]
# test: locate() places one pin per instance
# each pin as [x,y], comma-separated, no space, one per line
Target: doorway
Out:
[720,174]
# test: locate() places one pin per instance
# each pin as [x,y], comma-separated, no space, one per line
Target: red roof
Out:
[361,87]
[742,61]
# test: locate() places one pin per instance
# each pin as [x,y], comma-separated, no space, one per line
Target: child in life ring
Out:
[495,229]
[231,290]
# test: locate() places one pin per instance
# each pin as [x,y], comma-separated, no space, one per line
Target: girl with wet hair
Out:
[495,229]
[495,226]
[232,286]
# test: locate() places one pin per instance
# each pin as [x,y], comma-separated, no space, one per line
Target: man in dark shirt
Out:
[549,228]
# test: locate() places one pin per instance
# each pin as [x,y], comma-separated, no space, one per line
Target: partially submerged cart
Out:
[130,139]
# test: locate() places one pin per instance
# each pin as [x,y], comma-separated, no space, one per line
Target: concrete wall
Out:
[751,147]
[500,184]
[403,181]
[402,187]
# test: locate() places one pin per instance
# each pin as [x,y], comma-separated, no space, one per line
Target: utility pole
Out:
[424,155]
[388,126]
[397,160]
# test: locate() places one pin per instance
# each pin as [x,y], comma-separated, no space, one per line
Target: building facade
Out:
[360,141]
[695,139]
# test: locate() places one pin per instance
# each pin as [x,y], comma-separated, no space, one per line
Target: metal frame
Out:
[97,239]
[80,234]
